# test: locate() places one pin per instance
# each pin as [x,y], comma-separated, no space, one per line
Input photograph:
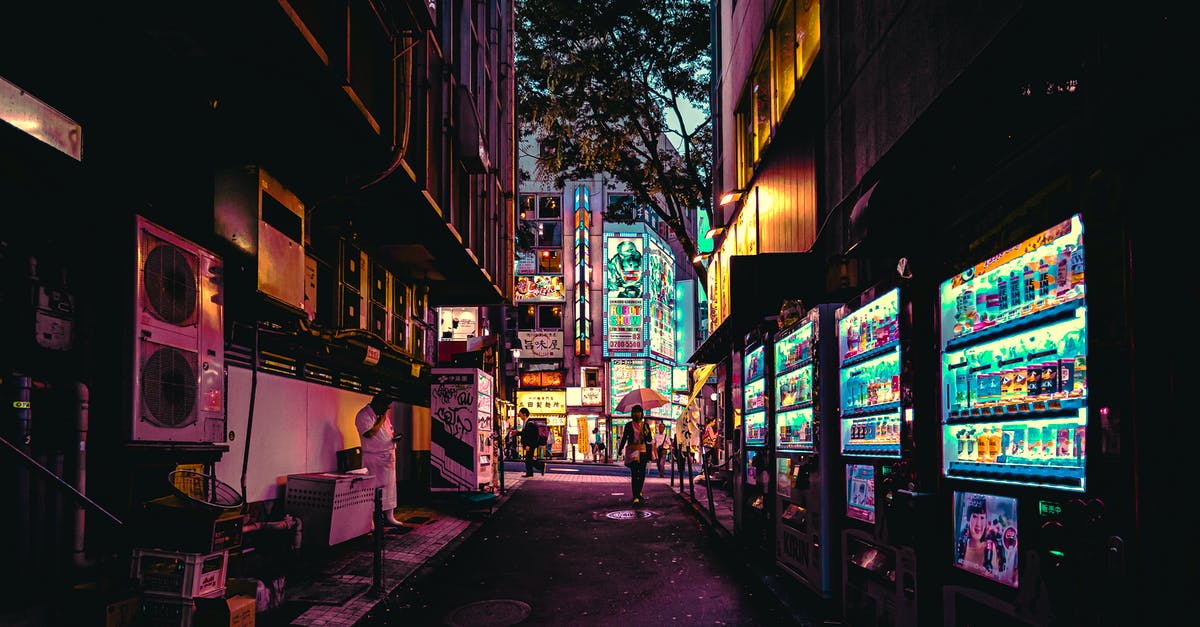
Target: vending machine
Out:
[889,488]
[805,387]
[461,443]
[752,489]
[1016,420]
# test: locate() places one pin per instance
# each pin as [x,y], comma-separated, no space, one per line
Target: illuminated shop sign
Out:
[624,376]
[583,272]
[660,381]
[660,299]
[542,379]
[543,401]
[537,287]
[624,293]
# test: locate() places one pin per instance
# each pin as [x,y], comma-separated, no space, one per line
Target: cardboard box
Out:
[122,612]
[232,611]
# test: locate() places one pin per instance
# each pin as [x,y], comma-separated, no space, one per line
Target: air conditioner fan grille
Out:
[168,386]
[170,284]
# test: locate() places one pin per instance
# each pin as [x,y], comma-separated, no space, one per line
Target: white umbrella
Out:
[645,397]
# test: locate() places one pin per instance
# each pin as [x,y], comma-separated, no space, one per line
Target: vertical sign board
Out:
[583,272]
[460,412]
[660,300]
[624,293]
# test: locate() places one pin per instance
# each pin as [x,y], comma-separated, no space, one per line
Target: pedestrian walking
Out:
[660,446]
[597,444]
[529,440]
[637,442]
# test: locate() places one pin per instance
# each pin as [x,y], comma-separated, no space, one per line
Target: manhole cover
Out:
[491,613]
[629,514]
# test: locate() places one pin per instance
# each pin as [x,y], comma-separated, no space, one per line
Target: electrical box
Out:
[262,218]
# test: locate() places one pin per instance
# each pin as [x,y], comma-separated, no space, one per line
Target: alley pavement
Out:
[563,547]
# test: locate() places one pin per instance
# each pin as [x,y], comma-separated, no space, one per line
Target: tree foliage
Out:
[603,86]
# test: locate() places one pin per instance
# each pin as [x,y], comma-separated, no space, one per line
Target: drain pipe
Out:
[81,427]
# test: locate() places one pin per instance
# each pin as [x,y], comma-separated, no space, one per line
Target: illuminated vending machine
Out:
[1015,426]
[752,490]
[805,398]
[887,488]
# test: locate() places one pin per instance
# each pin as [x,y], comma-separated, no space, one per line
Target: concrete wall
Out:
[298,427]
[885,64]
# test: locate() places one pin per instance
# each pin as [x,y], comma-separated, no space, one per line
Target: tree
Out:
[603,85]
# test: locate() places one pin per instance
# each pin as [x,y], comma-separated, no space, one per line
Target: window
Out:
[744,130]
[550,234]
[621,208]
[528,202]
[525,317]
[784,42]
[549,262]
[548,208]
[549,316]
[589,377]
[808,34]
[761,101]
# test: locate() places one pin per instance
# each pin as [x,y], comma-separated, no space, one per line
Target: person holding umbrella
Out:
[637,442]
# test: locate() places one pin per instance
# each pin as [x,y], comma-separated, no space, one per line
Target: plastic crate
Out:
[166,612]
[180,575]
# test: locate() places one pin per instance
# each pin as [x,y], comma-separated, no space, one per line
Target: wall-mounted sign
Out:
[543,401]
[624,376]
[591,397]
[583,272]
[660,299]
[542,344]
[543,379]
[539,287]
[624,292]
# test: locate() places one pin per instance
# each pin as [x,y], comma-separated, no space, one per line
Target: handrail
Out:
[79,496]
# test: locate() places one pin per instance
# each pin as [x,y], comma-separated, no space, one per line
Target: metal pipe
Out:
[377,570]
[78,556]
[287,523]
[29,461]
[24,413]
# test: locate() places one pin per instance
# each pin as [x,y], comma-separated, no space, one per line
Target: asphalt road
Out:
[569,549]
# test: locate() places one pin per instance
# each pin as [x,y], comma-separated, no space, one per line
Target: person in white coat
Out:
[374,423]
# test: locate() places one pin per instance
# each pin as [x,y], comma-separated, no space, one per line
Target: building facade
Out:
[225,227]
[899,147]
[601,307]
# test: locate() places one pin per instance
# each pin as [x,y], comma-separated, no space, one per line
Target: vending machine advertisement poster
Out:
[986,534]
[860,492]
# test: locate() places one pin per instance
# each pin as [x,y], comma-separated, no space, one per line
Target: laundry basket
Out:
[203,489]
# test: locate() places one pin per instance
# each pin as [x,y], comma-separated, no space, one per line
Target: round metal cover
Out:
[490,613]
[629,514]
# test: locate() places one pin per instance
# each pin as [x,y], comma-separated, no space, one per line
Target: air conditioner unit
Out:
[179,346]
